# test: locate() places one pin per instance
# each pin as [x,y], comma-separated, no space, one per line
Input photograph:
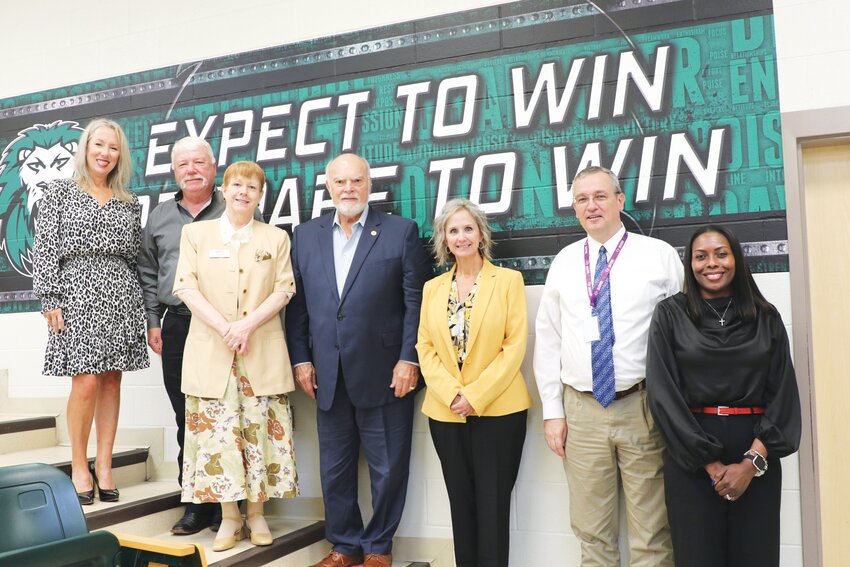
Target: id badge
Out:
[591,329]
[219,253]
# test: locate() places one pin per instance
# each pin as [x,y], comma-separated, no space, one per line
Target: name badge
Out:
[219,253]
[591,329]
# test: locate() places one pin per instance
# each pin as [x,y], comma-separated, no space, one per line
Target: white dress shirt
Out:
[345,247]
[646,271]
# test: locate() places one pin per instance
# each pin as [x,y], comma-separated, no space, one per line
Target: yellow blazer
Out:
[235,285]
[498,332]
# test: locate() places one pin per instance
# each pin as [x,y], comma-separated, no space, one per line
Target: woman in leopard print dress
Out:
[84,273]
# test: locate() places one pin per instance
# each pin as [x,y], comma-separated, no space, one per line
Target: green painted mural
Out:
[503,106]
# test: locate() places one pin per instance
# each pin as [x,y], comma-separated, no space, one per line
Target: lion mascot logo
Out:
[40,154]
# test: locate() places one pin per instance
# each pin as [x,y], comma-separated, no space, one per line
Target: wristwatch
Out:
[759,462]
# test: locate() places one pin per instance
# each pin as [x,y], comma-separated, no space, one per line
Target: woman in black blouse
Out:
[722,389]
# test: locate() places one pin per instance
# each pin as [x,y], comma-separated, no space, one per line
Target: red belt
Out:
[726,410]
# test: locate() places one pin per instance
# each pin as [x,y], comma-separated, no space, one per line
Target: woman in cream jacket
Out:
[235,274]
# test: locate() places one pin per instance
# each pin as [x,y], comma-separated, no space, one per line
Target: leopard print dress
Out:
[84,261]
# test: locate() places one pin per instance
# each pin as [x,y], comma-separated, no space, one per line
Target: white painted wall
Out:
[69,43]
[83,41]
[812,50]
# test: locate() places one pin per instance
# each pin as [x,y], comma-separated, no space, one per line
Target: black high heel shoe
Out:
[105,494]
[86,498]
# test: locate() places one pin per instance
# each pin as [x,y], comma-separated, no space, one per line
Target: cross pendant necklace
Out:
[721,318]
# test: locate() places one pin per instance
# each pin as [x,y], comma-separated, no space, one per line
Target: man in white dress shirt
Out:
[589,363]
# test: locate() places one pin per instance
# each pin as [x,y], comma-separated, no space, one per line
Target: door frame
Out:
[803,129]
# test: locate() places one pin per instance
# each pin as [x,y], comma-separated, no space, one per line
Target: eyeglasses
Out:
[599,198]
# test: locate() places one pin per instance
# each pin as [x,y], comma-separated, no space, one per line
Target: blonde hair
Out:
[441,249]
[119,177]
[246,169]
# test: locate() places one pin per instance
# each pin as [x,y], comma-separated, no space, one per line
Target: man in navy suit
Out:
[351,330]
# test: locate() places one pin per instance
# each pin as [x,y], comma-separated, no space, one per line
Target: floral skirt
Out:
[238,447]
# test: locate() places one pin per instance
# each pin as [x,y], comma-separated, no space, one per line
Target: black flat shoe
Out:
[191,523]
[105,494]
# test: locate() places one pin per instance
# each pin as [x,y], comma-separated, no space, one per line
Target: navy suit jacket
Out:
[374,323]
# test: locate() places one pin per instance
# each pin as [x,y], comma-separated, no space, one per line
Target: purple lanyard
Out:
[593,294]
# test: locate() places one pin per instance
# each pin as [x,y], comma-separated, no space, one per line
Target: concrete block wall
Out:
[540,508]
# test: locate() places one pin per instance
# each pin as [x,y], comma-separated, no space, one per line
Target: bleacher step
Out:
[150,508]
[290,535]
[21,432]
[137,500]
[128,463]
[284,544]
[60,456]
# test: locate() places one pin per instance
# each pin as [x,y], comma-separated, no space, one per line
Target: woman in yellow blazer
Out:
[235,274]
[473,331]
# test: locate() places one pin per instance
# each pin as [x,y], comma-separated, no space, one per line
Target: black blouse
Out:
[743,364]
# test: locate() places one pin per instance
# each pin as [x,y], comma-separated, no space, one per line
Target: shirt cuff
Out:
[416,364]
[154,319]
[553,409]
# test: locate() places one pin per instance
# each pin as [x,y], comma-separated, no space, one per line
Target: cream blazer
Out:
[235,284]
[491,379]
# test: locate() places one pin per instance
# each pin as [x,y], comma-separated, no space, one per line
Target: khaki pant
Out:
[608,448]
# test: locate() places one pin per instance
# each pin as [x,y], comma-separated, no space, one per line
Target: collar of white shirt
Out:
[361,221]
[230,234]
[594,246]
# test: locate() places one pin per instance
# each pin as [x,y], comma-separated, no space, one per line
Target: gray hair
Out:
[119,177]
[438,240]
[362,160]
[590,170]
[191,143]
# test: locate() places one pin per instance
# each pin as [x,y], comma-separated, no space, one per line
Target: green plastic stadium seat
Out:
[95,549]
[43,523]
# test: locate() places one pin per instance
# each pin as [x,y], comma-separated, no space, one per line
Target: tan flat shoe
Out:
[225,542]
[258,538]
[261,538]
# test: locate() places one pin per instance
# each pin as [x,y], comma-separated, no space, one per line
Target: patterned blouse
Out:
[460,312]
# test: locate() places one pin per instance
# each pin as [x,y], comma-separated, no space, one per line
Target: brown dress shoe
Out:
[337,559]
[375,560]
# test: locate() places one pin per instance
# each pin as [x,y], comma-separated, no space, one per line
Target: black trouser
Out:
[480,461]
[709,531]
[175,328]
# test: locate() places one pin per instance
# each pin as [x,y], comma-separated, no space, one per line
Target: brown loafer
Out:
[337,559]
[376,560]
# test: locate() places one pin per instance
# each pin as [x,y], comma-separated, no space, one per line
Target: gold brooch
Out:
[261,255]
